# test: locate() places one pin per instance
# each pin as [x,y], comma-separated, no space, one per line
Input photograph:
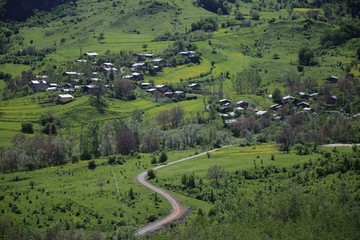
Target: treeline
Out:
[19,10]
[124,137]
[216,6]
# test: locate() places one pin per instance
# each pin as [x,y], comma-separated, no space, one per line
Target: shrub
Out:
[151,174]
[163,157]
[92,165]
[27,127]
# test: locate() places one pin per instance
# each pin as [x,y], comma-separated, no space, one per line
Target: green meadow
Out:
[78,197]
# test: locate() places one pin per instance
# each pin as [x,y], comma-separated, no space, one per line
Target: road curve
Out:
[177,209]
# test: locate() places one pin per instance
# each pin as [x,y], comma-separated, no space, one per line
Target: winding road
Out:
[177,209]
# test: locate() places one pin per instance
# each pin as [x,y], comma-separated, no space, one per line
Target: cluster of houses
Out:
[143,61]
[230,111]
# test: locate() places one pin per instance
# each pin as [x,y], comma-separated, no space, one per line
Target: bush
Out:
[306,57]
[91,165]
[151,174]
[27,127]
[163,157]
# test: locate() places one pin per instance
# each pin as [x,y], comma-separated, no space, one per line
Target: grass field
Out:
[232,159]
[78,113]
[94,200]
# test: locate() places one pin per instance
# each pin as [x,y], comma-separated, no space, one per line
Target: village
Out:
[149,64]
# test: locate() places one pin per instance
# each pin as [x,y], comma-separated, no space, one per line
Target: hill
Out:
[122,82]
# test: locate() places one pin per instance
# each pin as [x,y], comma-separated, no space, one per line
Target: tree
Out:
[306,57]
[286,137]
[91,164]
[123,89]
[177,114]
[255,15]
[126,141]
[246,81]
[27,127]
[145,46]
[131,194]
[101,37]
[151,174]
[163,157]
[32,184]
[239,16]
[216,172]
[276,95]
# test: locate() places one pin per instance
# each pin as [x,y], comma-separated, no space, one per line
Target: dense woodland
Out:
[318,199]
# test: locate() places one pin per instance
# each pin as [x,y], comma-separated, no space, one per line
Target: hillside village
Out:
[146,64]
[191,119]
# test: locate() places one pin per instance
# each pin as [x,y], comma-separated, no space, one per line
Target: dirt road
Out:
[177,209]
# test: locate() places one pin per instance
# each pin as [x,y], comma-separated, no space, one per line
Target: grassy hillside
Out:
[93,200]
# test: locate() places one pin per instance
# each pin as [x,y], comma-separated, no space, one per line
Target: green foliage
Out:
[255,15]
[91,164]
[247,81]
[205,24]
[277,96]
[27,127]
[306,57]
[151,174]
[215,6]
[163,157]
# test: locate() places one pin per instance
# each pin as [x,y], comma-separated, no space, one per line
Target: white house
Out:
[64,98]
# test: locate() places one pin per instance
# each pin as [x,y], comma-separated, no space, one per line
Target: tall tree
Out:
[216,172]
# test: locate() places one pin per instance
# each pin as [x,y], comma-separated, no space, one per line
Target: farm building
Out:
[64,98]
[38,85]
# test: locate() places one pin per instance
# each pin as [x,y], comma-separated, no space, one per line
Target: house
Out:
[152,90]
[145,85]
[163,88]
[275,107]
[64,98]
[332,79]
[67,86]
[137,76]
[108,70]
[140,57]
[288,98]
[260,113]
[195,86]
[71,74]
[304,95]
[80,61]
[54,85]
[138,66]
[91,54]
[159,62]
[303,105]
[169,94]
[188,54]
[314,95]
[224,102]
[50,89]
[38,85]
[149,55]
[107,65]
[88,89]
[331,100]
[179,94]
[242,104]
